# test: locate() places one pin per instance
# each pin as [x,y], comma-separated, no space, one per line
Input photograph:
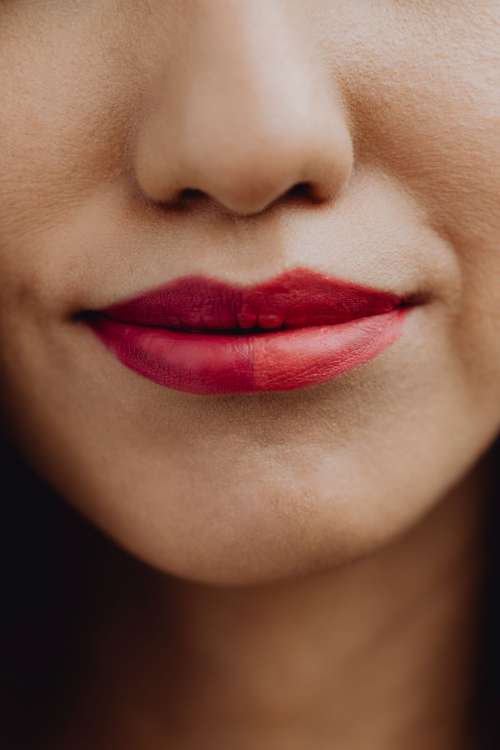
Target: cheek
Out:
[64,121]
[440,139]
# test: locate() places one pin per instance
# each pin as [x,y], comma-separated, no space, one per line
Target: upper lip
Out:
[296,298]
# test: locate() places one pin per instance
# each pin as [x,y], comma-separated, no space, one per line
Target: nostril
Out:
[189,194]
[300,190]
[182,199]
[305,192]
[189,197]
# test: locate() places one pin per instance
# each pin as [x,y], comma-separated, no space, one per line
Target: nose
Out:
[245,115]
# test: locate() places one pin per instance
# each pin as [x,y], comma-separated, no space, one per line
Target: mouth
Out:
[200,335]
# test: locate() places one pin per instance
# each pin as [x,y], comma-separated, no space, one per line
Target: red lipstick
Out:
[201,335]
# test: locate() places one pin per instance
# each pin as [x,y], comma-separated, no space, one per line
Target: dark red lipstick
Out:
[201,335]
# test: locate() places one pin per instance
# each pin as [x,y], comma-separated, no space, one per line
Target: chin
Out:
[278,527]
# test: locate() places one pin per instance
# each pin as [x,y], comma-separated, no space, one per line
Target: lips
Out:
[200,335]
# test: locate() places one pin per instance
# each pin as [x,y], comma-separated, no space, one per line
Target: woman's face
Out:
[391,110]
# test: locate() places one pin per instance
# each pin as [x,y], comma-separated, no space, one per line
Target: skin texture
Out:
[390,112]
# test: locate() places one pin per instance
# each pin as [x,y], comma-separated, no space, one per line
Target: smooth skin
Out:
[318,547]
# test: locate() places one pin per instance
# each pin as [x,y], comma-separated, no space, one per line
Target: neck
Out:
[377,654]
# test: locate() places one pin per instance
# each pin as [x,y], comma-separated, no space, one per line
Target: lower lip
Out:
[272,361]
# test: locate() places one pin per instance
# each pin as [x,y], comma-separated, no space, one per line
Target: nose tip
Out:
[245,172]
[245,127]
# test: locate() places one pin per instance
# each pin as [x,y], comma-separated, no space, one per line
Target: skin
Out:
[391,111]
